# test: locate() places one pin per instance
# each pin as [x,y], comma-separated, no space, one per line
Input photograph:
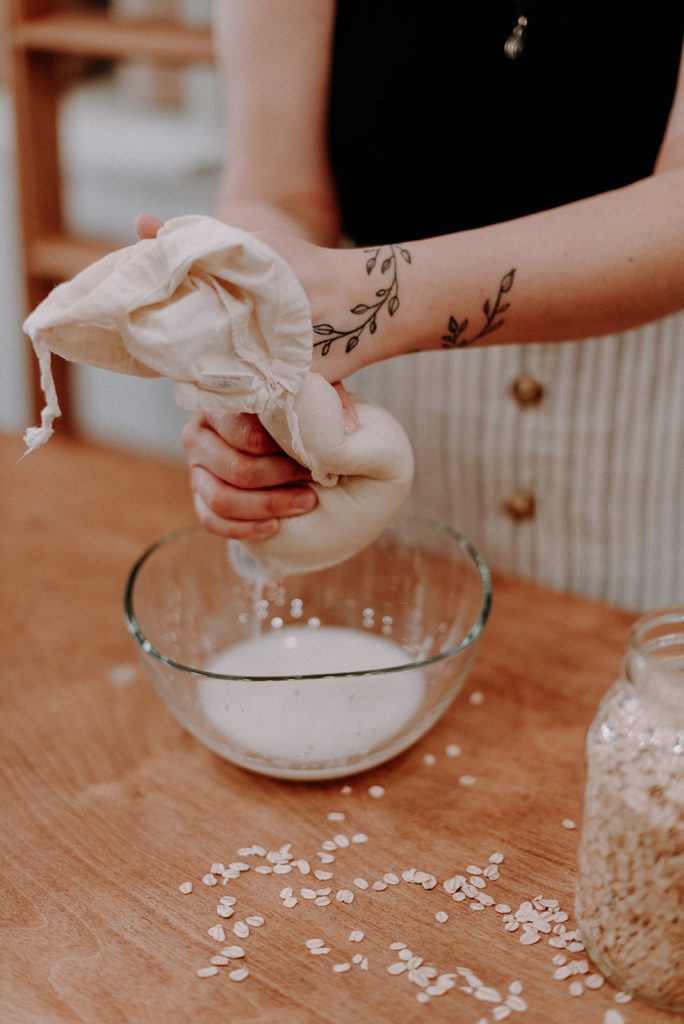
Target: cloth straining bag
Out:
[223,316]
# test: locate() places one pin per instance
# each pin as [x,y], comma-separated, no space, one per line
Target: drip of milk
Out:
[307,721]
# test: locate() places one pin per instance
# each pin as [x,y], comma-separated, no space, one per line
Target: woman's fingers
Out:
[233,529]
[236,503]
[147,226]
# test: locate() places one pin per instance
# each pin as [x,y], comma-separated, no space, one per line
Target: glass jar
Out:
[630,893]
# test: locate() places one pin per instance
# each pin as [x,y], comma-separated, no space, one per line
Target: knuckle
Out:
[244,471]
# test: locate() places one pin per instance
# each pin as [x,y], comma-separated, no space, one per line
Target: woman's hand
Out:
[242,482]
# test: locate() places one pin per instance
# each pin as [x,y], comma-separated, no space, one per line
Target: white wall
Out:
[120,156]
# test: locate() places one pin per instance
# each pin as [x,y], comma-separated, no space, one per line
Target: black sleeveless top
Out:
[433,129]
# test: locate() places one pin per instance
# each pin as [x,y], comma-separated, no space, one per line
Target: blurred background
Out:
[132,135]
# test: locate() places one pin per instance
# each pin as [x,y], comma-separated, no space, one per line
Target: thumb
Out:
[147,226]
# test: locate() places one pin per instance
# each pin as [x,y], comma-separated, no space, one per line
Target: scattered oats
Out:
[469,890]
[516,1002]
[320,950]
[220,961]
[341,968]
[391,878]
[515,988]
[491,872]
[376,792]
[379,886]
[360,837]
[559,959]
[409,875]
[623,997]
[397,945]
[405,953]
[239,865]
[613,1017]
[314,943]
[511,926]
[185,888]
[563,972]
[322,901]
[356,935]
[501,1012]
[485,899]
[429,760]
[329,845]
[326,858]
[487,994]
[223,910]
[308,894]
[302,866]
[458,897]
[290,901]
[502,908]
[216,932]
[476,698]
[496,858]
[441,916]
[336,816]
[233,952]
[346,790]
[529,938]
[476,906]
[422,997]
[575,988]
[452,750]
[229,874]
[241,930]
[239,974]
[364,963]
[255,921]
[357,958]
[258,851]
[594,981]
[473,869]
[575,947]
[467,780]
[344,896]
[478,881]
[324,891]
[281,869]
[323,876]
[209,880]
[263,869]
[287,891]
[568,823]
[341,840]
[397,968]
[360,883]
[207,972]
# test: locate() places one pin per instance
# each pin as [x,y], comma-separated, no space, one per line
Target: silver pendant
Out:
[515,43]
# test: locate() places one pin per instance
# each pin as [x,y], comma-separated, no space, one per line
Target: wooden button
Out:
[527,390]
[519,505]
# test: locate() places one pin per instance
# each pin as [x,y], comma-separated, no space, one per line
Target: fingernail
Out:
[303,502]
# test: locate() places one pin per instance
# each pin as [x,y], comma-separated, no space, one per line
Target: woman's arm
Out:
[588,268]
[274,62]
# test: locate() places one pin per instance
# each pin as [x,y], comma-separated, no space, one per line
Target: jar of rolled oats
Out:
[630,892]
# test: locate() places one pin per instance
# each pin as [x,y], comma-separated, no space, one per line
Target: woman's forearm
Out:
[592,267]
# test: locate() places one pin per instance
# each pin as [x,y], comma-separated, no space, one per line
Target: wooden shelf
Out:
[99,35]
[59,257]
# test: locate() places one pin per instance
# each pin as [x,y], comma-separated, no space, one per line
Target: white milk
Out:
[308,721]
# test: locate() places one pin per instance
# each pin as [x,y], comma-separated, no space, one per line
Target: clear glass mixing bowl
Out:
[316,675]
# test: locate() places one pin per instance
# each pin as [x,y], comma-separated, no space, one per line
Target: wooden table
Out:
[108,805]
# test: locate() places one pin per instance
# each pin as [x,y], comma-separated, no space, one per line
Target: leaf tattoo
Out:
[455,338]
[387,297]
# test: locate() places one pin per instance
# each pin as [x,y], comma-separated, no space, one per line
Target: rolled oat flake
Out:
[630,893]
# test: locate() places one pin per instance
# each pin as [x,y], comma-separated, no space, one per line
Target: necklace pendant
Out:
[515,43]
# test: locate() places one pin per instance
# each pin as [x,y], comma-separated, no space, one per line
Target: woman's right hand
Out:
[242,482]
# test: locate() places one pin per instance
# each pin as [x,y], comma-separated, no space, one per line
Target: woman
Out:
[493,181]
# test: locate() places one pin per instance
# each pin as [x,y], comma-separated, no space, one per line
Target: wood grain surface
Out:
[108,805]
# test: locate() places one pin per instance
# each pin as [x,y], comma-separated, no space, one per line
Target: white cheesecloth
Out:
[223,316]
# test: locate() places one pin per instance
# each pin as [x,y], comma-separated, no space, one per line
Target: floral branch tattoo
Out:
[367,312]
[455,339]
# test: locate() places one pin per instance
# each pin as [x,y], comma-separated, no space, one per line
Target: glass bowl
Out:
[312,676]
